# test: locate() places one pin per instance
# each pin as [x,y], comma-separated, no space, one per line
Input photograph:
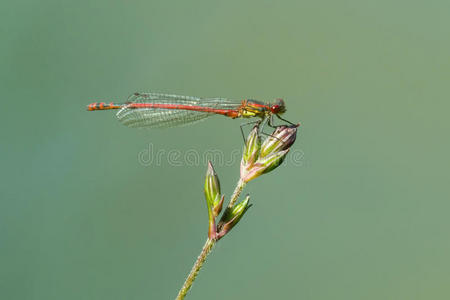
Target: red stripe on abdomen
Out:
[232,113]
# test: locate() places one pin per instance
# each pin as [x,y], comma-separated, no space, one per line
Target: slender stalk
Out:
[196,268]
[237,191]
[207,247]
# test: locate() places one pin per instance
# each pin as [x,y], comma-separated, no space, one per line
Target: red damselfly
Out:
[155,110]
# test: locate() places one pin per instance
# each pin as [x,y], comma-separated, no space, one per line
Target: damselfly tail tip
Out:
[91,106]
[103,106]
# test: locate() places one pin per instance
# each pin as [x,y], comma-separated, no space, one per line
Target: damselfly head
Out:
[278,107]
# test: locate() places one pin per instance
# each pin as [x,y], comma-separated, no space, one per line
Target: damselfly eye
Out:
[278,107]
[275,108]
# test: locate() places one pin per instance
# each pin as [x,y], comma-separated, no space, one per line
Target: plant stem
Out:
[207,247]
[237,191]
[196,268]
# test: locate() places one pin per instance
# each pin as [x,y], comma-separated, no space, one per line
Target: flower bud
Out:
[264,165]
[252,146]
[232,216]
[214,201]
[272,153]
[212,187]
[281,139]
[218,208]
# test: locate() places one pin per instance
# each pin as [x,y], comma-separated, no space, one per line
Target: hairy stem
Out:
[237,191]
[196,268]
[208,246]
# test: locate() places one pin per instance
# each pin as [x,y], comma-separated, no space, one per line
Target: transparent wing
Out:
[168,117]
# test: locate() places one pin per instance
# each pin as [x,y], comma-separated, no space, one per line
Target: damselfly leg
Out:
[270,123]
[257,122]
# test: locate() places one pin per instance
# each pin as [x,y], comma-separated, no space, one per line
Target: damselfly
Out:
[155,110]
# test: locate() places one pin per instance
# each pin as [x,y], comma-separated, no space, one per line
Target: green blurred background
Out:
[363,215]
